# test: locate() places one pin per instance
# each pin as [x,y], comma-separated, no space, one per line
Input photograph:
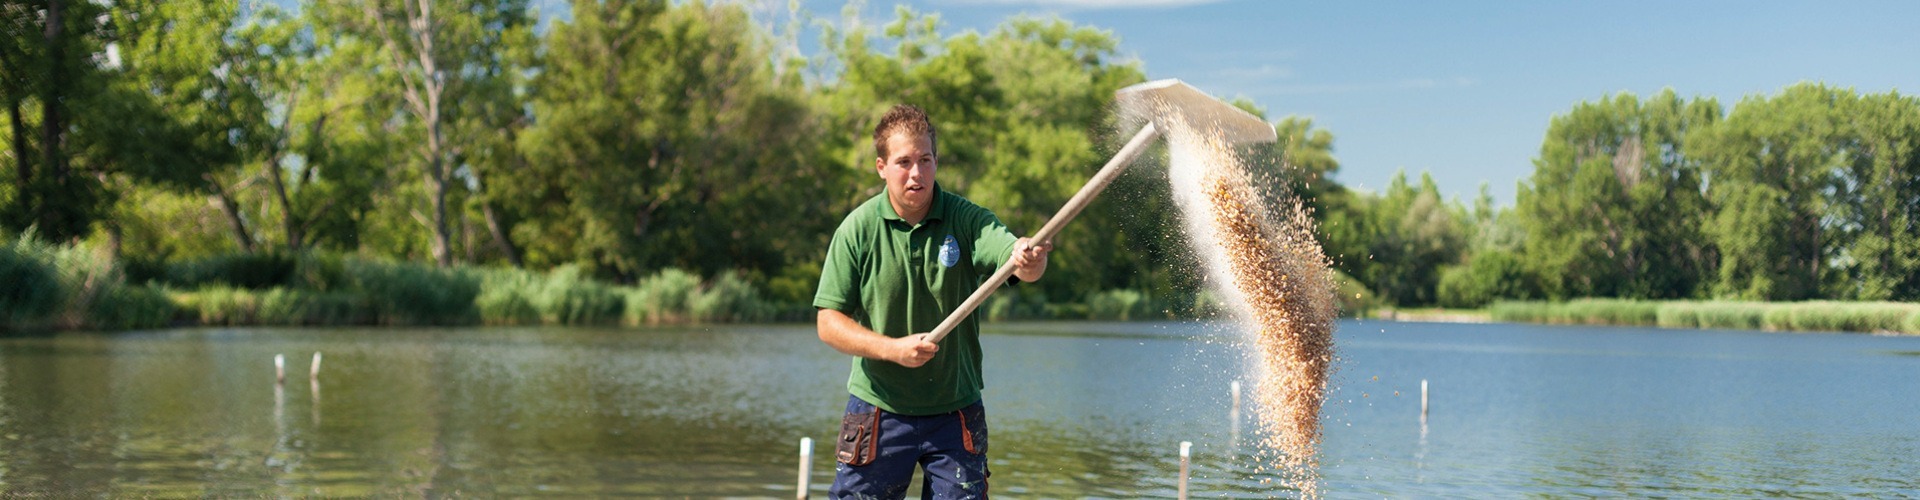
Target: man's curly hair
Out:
[905,118]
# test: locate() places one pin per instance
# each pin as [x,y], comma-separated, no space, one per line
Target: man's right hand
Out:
[911,351]
[843,334]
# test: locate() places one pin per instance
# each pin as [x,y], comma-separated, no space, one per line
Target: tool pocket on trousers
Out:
[973,428]
[859,438]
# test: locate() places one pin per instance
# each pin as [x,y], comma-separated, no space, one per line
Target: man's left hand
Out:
[1030,259]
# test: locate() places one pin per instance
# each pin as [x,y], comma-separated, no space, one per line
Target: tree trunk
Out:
[16,138]
[234,220]
[437,191]
[50,119]
[23,167]
[501,237]
[115,238]
[274,172]
[426,100]
[289,221]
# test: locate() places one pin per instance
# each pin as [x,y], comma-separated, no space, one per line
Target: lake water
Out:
[1077,410]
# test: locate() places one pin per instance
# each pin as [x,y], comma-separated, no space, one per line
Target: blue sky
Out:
[1465,89]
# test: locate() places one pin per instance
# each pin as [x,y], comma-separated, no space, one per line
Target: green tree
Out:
[1023,114]
[50,64]
[1815,195]
[1876,201]
[1770,162]
[232,102]
[1615,206]
[672,142]
[184,117]
[441,62]
[1409,234]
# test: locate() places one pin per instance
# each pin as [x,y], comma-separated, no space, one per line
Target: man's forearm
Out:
[843,334]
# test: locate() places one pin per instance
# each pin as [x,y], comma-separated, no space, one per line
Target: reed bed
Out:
[1827,316]
[54,287]
[70,287]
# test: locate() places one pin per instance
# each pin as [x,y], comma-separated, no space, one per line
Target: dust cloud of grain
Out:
[1260,255]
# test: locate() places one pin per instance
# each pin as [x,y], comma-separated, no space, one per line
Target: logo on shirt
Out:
[950,252]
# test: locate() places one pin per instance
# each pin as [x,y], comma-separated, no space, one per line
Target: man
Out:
[897,265]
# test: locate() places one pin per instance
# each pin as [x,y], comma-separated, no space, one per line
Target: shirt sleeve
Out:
[840,276]
[993,246]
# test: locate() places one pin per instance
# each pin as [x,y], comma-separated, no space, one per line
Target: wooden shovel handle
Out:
[1066,214]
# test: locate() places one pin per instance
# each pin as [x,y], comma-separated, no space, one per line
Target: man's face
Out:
[908,169]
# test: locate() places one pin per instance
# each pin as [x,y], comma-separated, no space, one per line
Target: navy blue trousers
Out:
[951,447]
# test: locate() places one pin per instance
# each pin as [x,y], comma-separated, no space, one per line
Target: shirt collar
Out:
[934,211]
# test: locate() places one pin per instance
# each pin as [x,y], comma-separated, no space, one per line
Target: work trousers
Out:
[951,448]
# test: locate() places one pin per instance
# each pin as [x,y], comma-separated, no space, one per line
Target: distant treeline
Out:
[627,139]
[1809,194]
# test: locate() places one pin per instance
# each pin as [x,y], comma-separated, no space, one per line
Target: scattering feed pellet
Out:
[1276,280]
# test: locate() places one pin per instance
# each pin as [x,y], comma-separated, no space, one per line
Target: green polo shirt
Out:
[901,279]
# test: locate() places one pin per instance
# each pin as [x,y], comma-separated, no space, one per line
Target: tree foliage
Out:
[1807,194]
[1815,195]
[625,138]
[1614,206]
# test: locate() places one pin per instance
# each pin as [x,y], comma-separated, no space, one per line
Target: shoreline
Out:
[1432,315]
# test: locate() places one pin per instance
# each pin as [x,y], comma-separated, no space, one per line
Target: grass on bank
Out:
[1875,317]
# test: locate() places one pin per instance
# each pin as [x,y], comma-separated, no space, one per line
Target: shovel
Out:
[1167,106]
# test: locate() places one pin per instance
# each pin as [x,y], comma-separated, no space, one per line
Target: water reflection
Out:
[1078,409]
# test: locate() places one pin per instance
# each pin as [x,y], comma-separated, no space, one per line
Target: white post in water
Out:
[806,467]
[1423,402]
[1236,400]
[1185,447]
[1234,414]
[279,368]
[313,373]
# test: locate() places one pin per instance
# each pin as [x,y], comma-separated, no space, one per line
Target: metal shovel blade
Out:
[1160,100]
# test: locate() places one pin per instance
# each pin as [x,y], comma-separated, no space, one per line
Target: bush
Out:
[220,305]
[320,271]
[283,306]
[1118,305]
[507,297]
[254,271]
[414,294]
[1488,276]
[33,289]
[1209,304]
[662,298]
[567,297]
[728,298]
[1356,301]
[795,285]
[127,307]
[1016,303]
